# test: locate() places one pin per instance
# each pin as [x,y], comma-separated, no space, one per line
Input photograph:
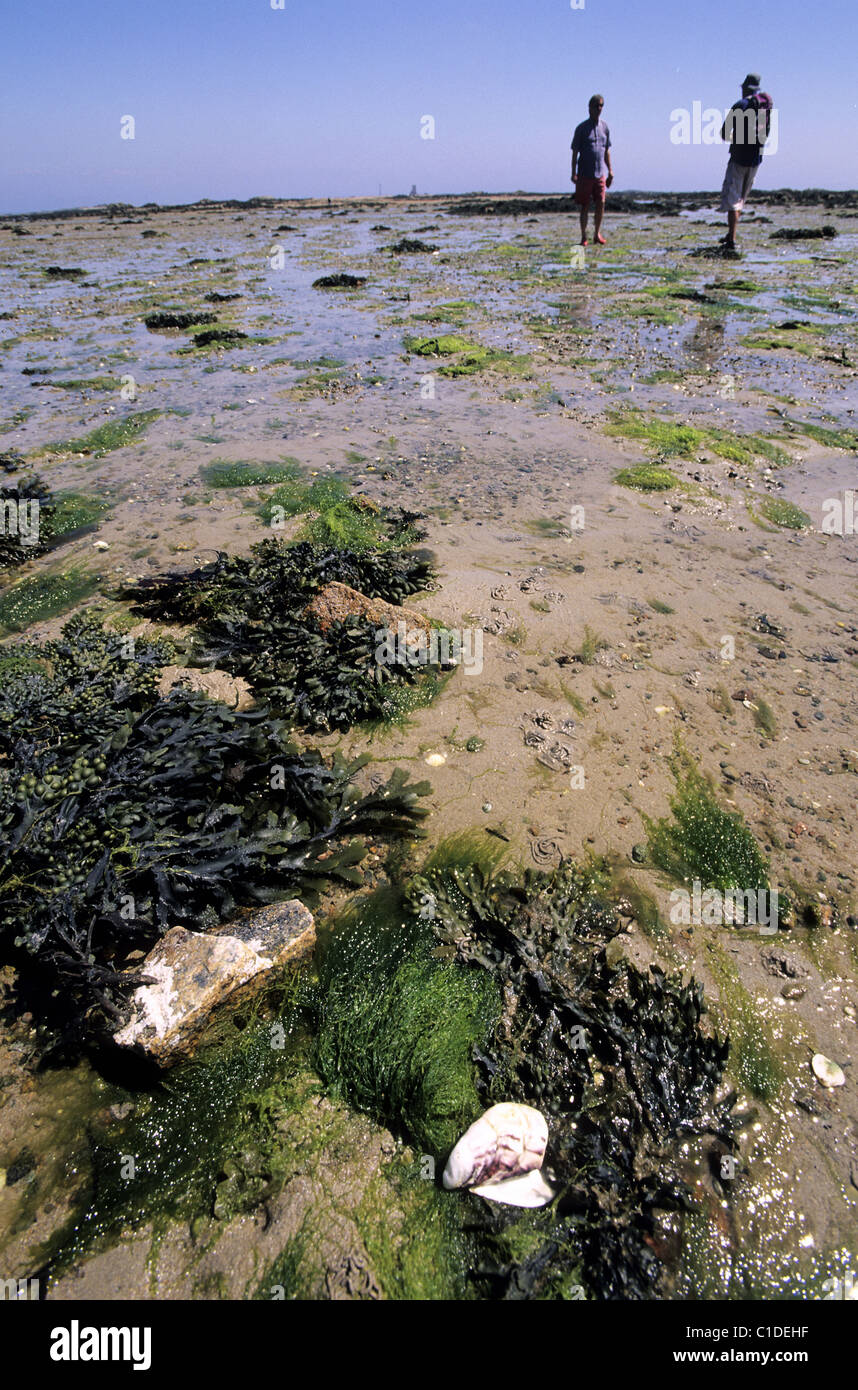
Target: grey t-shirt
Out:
[591,139]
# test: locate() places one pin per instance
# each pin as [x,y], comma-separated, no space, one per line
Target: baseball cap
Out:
[752,81]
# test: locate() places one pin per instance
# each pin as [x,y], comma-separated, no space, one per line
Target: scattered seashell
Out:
[826,1071]
[527,1190]
[100,545]
[663,709]
[507,1141]
[436,759]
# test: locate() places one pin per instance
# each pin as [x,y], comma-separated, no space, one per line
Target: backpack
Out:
[761,101]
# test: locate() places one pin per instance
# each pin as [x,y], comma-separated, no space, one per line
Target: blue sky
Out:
[232,98]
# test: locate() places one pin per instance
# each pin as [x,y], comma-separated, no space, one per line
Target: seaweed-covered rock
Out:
[411,246]
[803,233]
[33,520]
[214,337]
[134,813]
[178,318]
[341,281]
[64,272]
[615,1058]
[254,618]
[193,974]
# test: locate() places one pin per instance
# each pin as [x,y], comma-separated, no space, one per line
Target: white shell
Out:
[827,1071]
[527,1190]
[505,1142]
[436,759]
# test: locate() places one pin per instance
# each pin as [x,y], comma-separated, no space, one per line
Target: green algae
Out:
[71,511]
[792,340]
[471,357]
[754,1058]
[115,434]
[402,701]
[226,473]
[453,311]
[656,314]
[783,513]
[466,850]
[336,519]
[39,597]
[702,840]
[738,285]
[664,374]
[646,477]
[226,1104]
[413,1235]
[833,439]
[670,439]
[287,1276]
[87,383]
[764,717]
[397,1027]
[590,645]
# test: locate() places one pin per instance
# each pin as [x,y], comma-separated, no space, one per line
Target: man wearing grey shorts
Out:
[746,127]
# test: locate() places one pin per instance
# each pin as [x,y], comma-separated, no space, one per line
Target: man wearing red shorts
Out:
[591,146]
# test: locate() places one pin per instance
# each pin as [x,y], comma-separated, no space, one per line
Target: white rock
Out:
[827,1071]
[505,1142]
[436,759]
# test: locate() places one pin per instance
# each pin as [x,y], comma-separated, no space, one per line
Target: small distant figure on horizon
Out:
[591,146]
[746,127]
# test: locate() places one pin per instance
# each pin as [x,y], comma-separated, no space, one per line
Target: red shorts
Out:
[585,189]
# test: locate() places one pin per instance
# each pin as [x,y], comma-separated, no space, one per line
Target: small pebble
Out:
[826,1071]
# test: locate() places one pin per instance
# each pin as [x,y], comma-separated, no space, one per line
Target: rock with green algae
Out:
[325,1206]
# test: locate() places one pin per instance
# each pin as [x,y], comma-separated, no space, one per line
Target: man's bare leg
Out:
[598,215]
[584,213]
[732,224]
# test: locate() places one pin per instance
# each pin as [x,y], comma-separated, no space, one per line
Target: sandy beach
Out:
[497,381]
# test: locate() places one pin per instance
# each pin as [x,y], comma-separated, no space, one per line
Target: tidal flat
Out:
[636,468]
